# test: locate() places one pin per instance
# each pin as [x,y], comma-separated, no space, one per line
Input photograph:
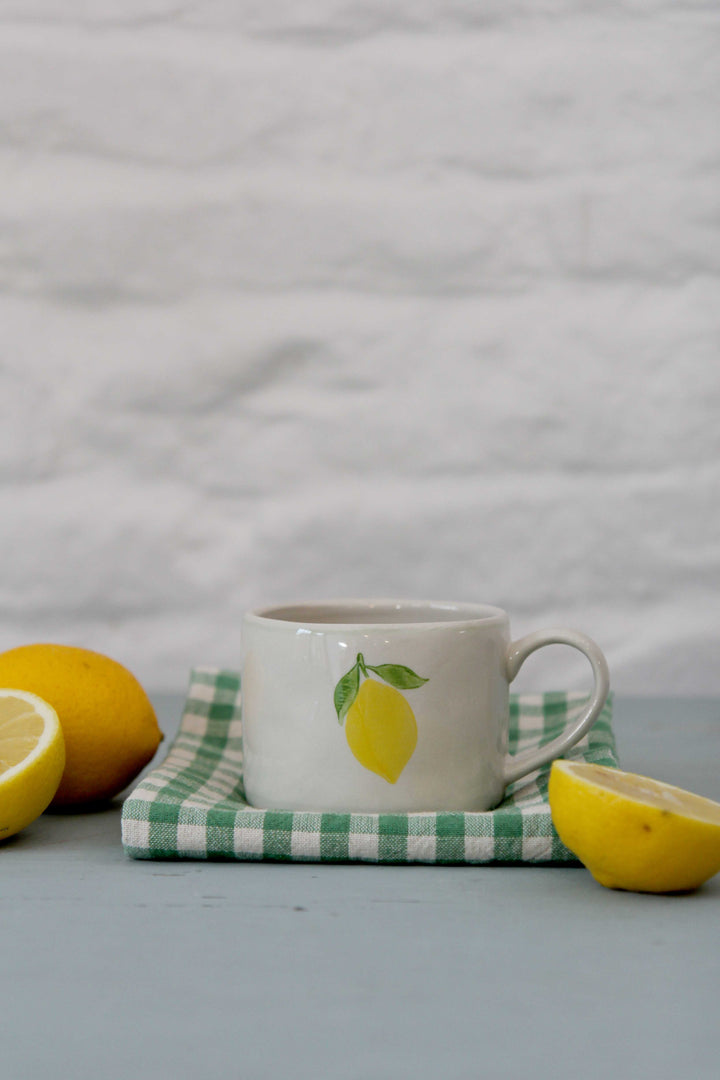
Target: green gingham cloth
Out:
[193,805]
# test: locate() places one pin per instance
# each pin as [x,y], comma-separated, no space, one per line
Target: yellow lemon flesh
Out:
[108,722]
[632,832]
[32,758]
[380,729]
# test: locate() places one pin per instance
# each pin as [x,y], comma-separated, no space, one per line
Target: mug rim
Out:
[308,615]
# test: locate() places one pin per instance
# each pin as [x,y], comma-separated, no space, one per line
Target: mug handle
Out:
[517,765]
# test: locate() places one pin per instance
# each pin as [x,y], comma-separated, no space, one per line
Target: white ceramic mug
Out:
[385,705]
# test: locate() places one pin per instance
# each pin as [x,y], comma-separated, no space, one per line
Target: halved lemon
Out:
[32,759]
[632,832]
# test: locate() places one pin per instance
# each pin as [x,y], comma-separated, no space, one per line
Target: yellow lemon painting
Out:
[380,726]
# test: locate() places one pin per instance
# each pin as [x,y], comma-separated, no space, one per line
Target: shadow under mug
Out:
[390,705]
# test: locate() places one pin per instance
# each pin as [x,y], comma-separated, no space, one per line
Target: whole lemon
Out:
[381,730]
[108,723]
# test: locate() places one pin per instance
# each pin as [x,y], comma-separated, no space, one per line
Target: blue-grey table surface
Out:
[352,972]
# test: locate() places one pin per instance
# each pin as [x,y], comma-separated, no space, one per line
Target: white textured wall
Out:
[361,298]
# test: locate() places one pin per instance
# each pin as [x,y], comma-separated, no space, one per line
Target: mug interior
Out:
[378,613]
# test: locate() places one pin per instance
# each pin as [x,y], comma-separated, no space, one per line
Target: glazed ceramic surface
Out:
[389,705]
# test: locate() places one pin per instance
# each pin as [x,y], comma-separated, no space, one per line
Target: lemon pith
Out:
[632,832]
[108,723]
[381,730]
[32,759]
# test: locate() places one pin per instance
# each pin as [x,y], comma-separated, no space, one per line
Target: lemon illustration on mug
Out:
[380,726]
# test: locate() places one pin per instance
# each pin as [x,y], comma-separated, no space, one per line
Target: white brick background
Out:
[361,298]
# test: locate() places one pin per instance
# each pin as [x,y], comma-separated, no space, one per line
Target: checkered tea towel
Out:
[193,805]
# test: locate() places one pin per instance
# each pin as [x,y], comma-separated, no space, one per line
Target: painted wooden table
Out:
[147,969]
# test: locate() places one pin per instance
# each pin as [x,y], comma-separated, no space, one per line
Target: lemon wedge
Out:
[632,832]
[32,759]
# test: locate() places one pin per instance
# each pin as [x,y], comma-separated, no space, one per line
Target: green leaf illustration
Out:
[346,691]
[399,676]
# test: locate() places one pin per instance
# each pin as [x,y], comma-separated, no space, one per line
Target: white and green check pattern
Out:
[193,805]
